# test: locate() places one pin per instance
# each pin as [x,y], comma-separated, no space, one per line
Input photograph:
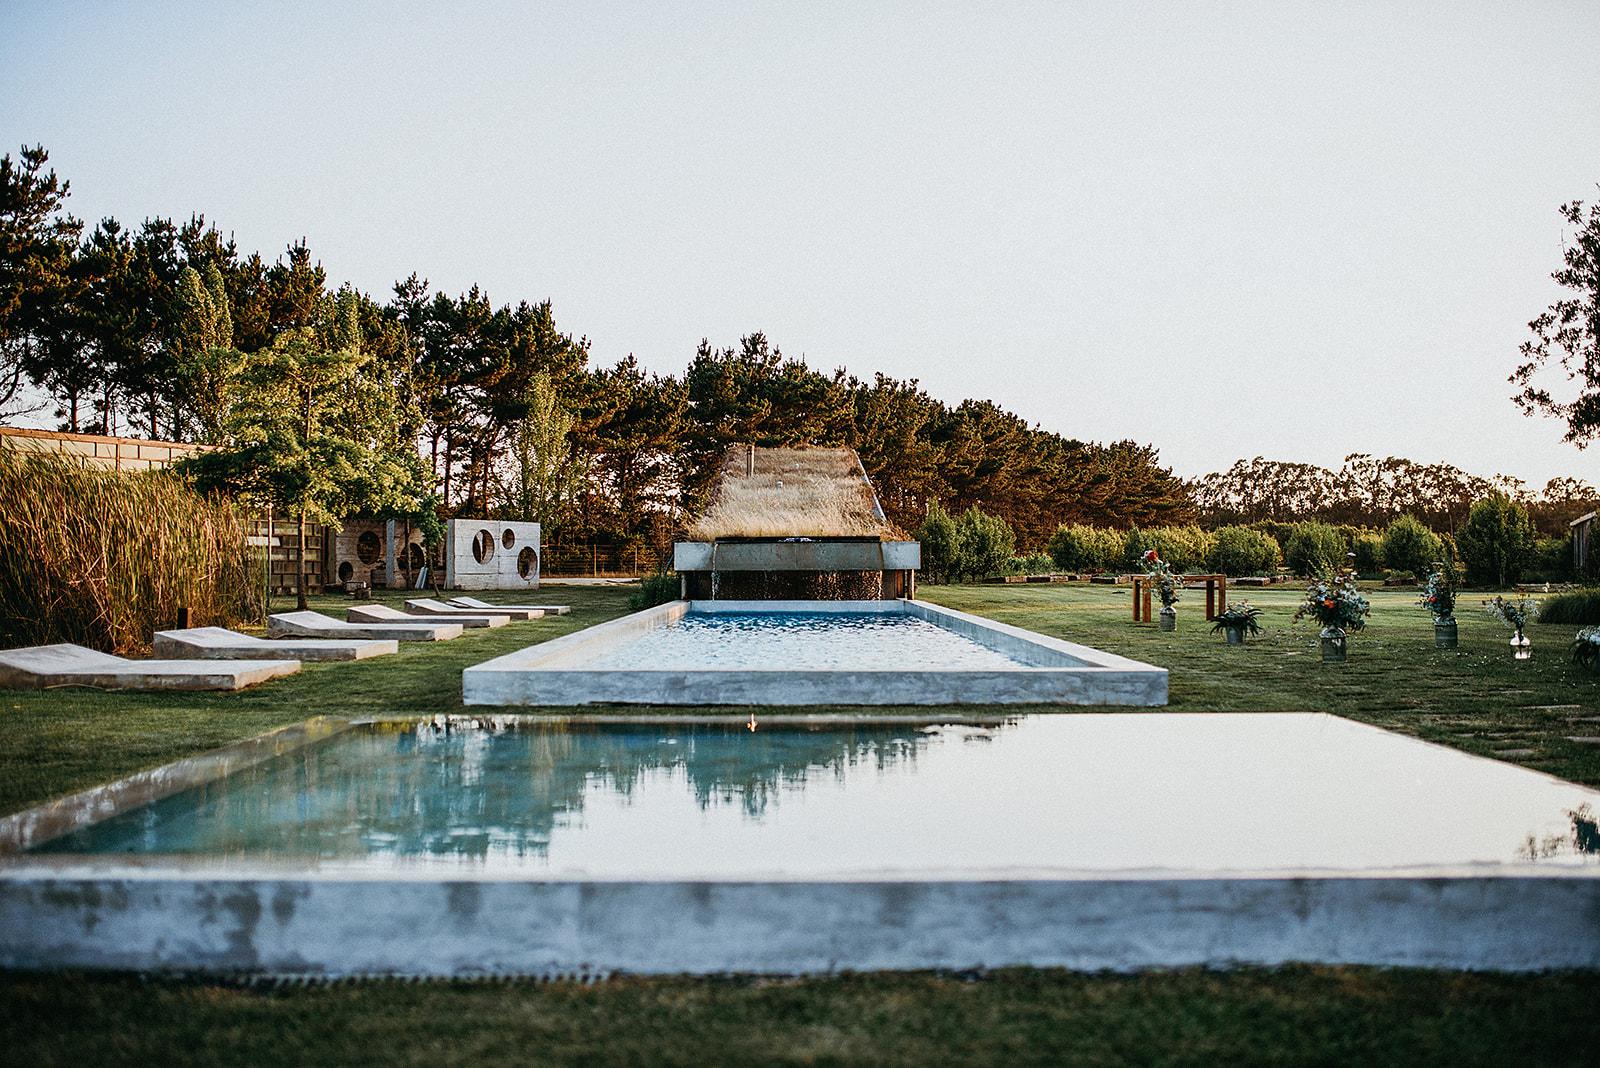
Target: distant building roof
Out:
[1588,517]
[805,492]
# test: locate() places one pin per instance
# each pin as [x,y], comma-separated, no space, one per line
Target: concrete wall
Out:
[128,454]
[379,553]
[332,925]
[491,554]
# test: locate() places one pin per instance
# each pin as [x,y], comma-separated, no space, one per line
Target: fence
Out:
[283,545]
[594,559]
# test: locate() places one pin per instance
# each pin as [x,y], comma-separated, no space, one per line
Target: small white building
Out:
[491,554]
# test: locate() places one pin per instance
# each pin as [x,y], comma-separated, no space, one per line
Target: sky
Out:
[1228,230]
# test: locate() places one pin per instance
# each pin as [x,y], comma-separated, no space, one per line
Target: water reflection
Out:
[1582,839]
[469,792]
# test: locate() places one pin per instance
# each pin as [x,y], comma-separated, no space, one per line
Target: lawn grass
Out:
[1286,1016]
[1474,698]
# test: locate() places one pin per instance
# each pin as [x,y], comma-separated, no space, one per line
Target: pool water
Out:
[1083,792]
[799,641]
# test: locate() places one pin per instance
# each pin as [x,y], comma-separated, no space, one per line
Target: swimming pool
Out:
[797,653]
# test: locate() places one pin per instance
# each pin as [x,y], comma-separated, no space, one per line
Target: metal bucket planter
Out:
[1444,633]
[1333,645]
[1521,647]
[1168,618]
[1235,635]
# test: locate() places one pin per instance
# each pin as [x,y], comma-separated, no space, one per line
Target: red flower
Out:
[1150,556]
[1327,602]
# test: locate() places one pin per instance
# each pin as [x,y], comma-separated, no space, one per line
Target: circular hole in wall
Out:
[414,560]
[527,562]
[346,572]
[483,546]
[508,539]
[368,547]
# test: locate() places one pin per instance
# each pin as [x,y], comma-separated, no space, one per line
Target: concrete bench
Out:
[427,606]
[473,602]
[317,625]
[43,666]
[382,613]
[219,643]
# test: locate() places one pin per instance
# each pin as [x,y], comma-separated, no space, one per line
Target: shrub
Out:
[106,558]
[1552,559]
[1080,547]
[1578,607]
[939,544]
[985,542]
[1182,548]
[1368,548]
[1314,549]
[1496,541]
[654,590]
[1278,532]
[1032,564]
[1409,547]
[1243,551]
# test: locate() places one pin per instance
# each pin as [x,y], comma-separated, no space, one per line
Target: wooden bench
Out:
[1216,594]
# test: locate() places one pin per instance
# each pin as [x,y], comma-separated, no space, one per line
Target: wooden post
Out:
[1211,598]
[1136,584]
[1222,593]
[1147,602]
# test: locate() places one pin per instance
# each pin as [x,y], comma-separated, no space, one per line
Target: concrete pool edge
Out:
[201,915]
[552,673]
[464,927]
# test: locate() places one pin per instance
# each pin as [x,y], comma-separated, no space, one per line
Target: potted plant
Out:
[1586,648]
[1168,587]
[1438,595]
[1517,615]
[1340,607]
[1236,621]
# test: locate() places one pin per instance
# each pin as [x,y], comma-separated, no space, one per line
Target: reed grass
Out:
[105,558]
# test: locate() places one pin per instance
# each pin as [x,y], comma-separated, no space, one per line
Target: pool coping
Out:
[198,915]
[1054,671]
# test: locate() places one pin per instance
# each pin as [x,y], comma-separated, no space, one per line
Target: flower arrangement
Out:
[1586,648]
[1167,584]
[1335,602]
[1243,617]
[1515,614]
[1438,593]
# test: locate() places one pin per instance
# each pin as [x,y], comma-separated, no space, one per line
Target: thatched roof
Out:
[792,493]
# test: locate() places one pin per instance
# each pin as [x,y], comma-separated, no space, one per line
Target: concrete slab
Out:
[1052,671]
[473,602]
[382,613]
[219,643]
[428,606]
[44,666]
[317,625]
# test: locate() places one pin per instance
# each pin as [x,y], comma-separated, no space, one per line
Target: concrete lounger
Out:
[427,606]
[219,643]
[317,625]
[74,665]
[474,603]
[382,613]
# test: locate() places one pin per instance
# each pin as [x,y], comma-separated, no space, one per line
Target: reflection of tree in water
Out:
[1582,838]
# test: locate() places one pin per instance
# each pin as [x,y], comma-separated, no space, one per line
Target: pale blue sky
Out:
[1229,230]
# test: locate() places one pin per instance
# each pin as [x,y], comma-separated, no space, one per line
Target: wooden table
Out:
[1216,594]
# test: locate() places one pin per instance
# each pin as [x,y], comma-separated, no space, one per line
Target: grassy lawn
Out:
[1474,698]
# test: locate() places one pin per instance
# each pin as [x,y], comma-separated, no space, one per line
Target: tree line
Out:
[329,402]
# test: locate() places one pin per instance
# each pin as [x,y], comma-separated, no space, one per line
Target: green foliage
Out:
[1566,335]
[1586,648]
[985,542]
[1185,548]
[1552,559]
[1314,549]
[1573,607]
[1243,616]
[654,590]
[542,479]
[1243,551]
[940,544]
[1081,547]
[1368,548]
[971,545]
[1410,547]
[1496,542]
[1032,564]
[105,558]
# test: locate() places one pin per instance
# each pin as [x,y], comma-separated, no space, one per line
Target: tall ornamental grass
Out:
[106,558]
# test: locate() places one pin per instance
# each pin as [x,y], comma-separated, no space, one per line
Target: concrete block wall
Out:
[491,554]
